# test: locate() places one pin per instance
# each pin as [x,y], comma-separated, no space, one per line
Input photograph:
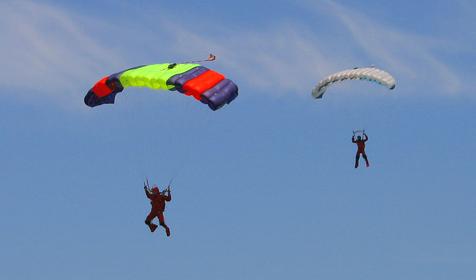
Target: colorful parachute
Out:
[368,73]
[205,85]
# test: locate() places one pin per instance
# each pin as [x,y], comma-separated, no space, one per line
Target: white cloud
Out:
[49,49]
[44,49]
[291,57]
[410,57]
[284,59]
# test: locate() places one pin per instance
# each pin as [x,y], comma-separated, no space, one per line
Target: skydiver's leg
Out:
[357,157]
[161,217]
[366,160]
[148,221]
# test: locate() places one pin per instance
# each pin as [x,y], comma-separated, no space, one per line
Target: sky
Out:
[264,188]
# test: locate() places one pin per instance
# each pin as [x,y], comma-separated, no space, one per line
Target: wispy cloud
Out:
[49,50]
[283,59]
[410,56]
[44,49]
[290,57]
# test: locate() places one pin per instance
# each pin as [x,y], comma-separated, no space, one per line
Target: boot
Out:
[152,227]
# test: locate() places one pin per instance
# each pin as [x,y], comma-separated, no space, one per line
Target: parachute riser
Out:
[359,132]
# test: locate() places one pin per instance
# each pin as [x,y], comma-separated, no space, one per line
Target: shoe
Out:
[152,227]
[167,231]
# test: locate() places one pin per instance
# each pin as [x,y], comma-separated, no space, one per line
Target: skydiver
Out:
[157,200]
[360,149]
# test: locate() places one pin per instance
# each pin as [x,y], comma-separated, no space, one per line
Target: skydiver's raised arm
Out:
[169,196]
[366,137]
[353,138]
[147,193]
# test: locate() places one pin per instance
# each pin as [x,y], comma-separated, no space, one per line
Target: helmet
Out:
[155,189]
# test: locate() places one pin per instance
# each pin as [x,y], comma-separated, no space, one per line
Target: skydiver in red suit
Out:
[157,200]
[360,149]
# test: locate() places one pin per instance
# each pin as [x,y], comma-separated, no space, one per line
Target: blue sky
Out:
[264,188]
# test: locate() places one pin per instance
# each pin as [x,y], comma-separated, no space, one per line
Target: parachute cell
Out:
[205,85]
[368,73]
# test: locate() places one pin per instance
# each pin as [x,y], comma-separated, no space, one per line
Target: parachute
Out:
[367,73]
[192,79]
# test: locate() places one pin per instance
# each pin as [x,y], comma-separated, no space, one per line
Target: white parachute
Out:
[367,73]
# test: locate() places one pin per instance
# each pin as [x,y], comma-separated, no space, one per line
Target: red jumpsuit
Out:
[157,200]
[360,150]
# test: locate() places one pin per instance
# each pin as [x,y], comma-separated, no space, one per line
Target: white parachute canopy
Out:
[367,73]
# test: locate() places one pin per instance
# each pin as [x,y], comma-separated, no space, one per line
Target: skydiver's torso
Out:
[360,146]
[158,201]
